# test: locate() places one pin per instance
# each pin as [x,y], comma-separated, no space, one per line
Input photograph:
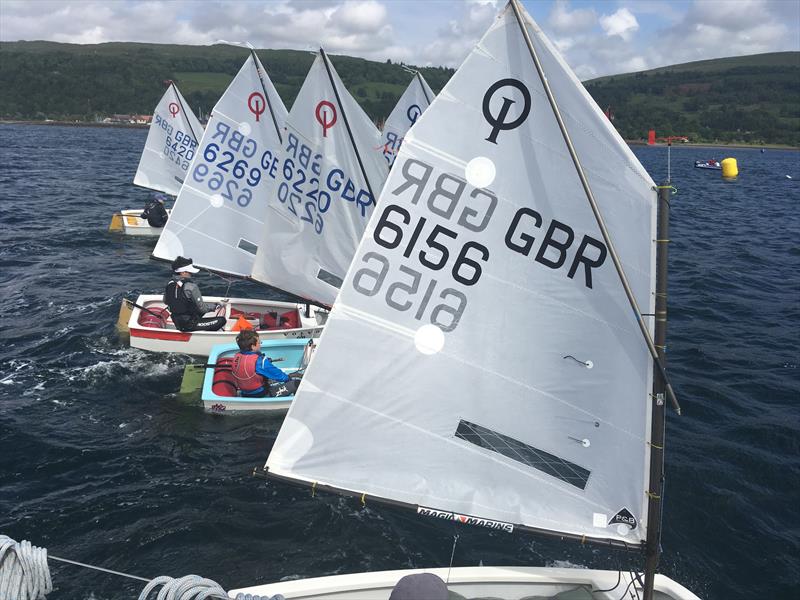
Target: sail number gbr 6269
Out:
[441,245]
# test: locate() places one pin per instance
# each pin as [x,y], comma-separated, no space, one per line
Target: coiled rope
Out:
[24,574]
[190,587]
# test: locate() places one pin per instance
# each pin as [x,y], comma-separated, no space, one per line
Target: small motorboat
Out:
[708,164]
[219,393]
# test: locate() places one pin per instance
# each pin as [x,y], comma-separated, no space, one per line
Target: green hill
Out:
[751,99]
[69,81]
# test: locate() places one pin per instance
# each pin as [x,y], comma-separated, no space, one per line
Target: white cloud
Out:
[729,28]
[361,17]
[640,34]
[622,23]
[457,38]
[562,20]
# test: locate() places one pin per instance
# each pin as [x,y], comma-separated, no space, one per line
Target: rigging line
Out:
[611,589]
[627,587]
[160,580]
[80,564]
[422,85]
[257,62]
[347,125]
[595,209]
[188,122]
[452,554]
[637,579]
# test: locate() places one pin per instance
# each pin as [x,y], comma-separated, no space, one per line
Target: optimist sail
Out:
[219,214]
[414,101]
[327,183]
[482,362]
[171,144]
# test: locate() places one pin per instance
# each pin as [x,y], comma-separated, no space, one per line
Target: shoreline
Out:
[75,124]
[714,145]
[629,142]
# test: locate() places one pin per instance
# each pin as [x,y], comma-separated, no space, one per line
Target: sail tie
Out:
[587,363]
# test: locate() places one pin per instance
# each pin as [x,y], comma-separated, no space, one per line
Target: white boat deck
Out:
[475,583]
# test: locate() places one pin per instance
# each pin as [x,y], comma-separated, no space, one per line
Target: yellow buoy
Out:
[729,168]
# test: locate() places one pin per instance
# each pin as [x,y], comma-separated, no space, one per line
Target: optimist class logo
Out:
[322,114]
[413,113]
[499,122]
[257,104]
[174,109]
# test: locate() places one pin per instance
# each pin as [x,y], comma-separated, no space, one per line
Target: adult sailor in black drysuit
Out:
[154,212]
[185,302]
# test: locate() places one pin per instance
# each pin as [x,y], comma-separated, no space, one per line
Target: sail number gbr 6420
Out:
[439,242]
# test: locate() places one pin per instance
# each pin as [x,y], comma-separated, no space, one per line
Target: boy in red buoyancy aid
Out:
[253,371]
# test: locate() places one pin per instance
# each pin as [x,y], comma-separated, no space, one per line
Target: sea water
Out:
[102,463]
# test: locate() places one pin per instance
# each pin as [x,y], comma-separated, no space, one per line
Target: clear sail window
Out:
[247,246]
[521,452]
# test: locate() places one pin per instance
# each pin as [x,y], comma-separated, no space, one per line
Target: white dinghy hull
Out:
[506,583]
[133,224]
[148,334]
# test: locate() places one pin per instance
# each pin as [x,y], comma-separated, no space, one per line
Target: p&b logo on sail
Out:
[503,121]
[624,517]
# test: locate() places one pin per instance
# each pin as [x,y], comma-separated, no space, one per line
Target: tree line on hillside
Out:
[60,83]
[741,103]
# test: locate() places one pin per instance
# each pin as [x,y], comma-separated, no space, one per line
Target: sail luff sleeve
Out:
[595,210]
[422,85]
[259,68]
[347,124]
[183,110]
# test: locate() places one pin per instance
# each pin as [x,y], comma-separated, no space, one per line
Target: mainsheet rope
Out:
[25,575]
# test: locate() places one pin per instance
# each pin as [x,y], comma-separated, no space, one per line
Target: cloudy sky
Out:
[597,37]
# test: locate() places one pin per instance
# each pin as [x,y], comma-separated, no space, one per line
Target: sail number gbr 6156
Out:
[437,257]
[418,292]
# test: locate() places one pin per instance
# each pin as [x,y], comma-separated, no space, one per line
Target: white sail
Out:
[171,144]
[414,101]
[219,214]
[331,173]
[482,359]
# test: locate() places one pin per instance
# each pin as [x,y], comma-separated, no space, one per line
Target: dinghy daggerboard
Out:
[478,227]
